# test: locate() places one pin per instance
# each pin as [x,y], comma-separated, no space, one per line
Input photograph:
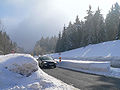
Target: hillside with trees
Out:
[45,45]
[94,29]
[6,44]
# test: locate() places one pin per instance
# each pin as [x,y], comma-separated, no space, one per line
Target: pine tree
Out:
[58,44]
[118,34]
[77,34]
[64,43]
[69,32]
[92,31]
[70,24]
[89,30]
[99,27]
[112,22]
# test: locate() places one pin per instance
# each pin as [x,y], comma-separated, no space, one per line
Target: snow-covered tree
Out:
[94,29]
[89,26]
[99,27]
[112,22]
[118,33]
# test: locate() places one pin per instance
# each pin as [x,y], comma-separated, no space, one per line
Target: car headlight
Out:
[55,62]
[44,62]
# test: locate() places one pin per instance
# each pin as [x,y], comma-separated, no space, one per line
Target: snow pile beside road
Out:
[115,63]
[106,51]
[94,66]
[103,51]
[21,72]
[24,65]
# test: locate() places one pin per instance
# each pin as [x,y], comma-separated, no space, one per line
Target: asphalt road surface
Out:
[84,81]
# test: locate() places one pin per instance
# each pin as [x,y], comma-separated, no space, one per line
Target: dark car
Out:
[46,62]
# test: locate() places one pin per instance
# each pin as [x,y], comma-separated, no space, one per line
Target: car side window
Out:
[40,58]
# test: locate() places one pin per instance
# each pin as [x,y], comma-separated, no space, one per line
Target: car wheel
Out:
[54,66]
[41,66]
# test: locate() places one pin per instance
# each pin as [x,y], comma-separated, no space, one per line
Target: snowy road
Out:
[84,81]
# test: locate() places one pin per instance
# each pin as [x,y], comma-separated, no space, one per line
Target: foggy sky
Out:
[27,20]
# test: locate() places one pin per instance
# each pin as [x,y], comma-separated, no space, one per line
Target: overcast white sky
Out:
[27,20]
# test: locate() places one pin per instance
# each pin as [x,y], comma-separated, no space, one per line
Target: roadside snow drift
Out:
[85,65]
[103,51]
[115,63]
[21,72]
[24,65]
[106,51]
[96,59]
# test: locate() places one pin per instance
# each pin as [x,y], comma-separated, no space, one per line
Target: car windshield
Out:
[46,58]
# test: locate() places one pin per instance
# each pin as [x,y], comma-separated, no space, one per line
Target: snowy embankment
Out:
[93,67]
[21,72]
[97,58]
[104,51]
[85,65]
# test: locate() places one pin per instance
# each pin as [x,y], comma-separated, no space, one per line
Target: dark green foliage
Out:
[92,31]
[118,34]
[112,22]
[58,44]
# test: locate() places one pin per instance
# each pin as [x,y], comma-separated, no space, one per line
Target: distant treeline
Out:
[6,44]
[95,29]
[45,45]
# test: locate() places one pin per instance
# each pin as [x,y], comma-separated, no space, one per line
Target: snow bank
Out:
[115,63]
[15,67]
[106,51]
[93,67]
[22,64]
[102,51]
[86,65]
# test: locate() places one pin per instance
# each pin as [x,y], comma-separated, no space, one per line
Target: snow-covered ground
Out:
[86,65]
[103,51]
[93,67]
[21,72]
[97,59]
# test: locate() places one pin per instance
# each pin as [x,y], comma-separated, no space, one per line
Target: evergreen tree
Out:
[76,34]
[118,34]
[64,43]
[99,27]
[70,24]
[92,31]
[58,44]
[89,30]
[112,22]
[69,32]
